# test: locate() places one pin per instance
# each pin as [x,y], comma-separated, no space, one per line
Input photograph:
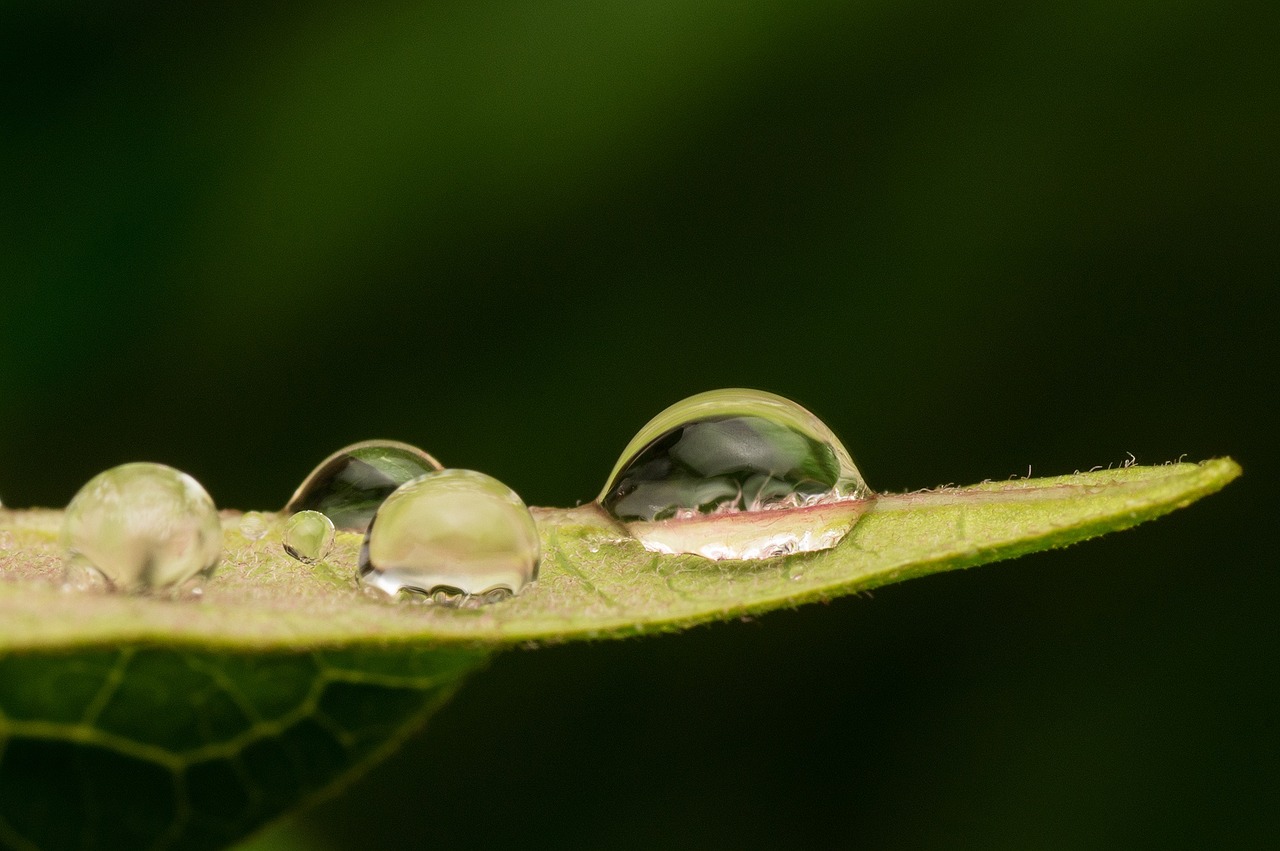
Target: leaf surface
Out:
[595,580]
[184,723]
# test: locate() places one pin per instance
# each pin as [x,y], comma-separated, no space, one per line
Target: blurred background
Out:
[975,238]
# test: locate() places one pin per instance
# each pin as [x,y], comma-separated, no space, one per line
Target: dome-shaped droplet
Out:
[138,527]
[456,536]
[254,525]
[349,485]
[730,452]
[308,536]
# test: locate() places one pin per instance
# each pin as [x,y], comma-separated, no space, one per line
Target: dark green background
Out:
[973,237]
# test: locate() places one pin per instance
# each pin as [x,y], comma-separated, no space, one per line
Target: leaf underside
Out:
[181,723]
[154,747]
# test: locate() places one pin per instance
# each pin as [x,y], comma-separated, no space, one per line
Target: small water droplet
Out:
[308,536]
[254,525]
[685,476]
[349,485]
[454,538]
[78,574]
[139,527]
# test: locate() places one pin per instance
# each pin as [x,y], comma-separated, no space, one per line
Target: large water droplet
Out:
[349,485]
[456,537]
[308,536]
[685,482]
[139,527]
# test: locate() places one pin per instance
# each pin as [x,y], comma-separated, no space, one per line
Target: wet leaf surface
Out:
[188,723]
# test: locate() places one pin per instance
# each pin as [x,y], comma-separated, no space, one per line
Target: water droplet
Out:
[349,485]
[685,482]
[139,527]
[453,537]
[254,525]
[308,536]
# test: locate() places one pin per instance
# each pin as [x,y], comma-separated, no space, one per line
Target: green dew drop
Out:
[308,536]
[349,485]
[739,474]
[454,538]
[140,527]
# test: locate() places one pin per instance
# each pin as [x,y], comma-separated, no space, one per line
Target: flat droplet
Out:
[690,479]
[254,525]
[139,527]
[453,537]
[308,536]
[349,485]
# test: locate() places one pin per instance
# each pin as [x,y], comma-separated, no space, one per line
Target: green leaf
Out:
[152,746]
[141,722]
[595,581]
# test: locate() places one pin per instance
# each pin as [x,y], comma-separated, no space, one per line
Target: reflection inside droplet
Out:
[349,485]
[453,537]
[736,474]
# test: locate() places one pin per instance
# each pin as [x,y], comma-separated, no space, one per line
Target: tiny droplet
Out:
[308,536]
[254,525]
